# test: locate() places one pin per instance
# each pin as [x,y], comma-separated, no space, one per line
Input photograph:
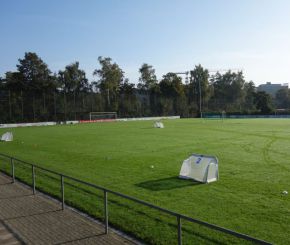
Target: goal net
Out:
[214,115]
[94,116]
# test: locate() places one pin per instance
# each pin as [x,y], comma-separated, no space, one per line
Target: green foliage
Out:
[72,79]
[263,102]
[33,93]
[282,98]
[248,197]
[229,89]
[128,106]
[249,90]
[173,100]
[200,84]
[110,77]
[34,74]
[147,78]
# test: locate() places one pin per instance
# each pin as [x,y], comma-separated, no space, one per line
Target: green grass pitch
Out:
[254,169]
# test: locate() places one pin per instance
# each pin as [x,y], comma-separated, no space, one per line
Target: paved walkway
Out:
[7,237]
[35,219]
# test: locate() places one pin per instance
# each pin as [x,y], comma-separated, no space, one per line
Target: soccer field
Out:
[254,170]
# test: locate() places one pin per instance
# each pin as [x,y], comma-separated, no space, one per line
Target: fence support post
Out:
[62,191]
[12,170]
[106,211]
[179,231]
[33,179]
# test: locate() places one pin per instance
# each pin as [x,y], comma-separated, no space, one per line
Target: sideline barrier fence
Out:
[37,124]
[179,217]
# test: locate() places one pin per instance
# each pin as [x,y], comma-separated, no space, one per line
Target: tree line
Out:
[35,93]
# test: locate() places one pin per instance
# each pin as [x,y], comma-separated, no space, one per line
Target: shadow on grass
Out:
[167,184]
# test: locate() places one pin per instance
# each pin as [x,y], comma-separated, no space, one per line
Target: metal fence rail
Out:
[179,217]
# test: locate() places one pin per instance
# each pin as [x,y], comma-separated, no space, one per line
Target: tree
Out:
[34,77]
[229,90]
[173,96]
[110,78]
[282,98]
[14,81]
[147,78]
[73,79]
[34,73]
[171,85]
[147,89]
[263,102]
[128,105]
[199,83]
[249,90]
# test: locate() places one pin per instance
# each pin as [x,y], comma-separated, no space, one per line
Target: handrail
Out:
[105,190]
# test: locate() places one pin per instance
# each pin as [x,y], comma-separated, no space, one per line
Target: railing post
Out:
[106,211]
[62,191]
[179,230]
[12,170]
[33,179]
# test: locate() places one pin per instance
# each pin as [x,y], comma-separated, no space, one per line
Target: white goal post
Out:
[103,115]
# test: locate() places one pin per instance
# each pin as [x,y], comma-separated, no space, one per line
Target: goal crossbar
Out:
[103,115]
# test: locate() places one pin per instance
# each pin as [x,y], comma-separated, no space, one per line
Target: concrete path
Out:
[7,237]
[35,219]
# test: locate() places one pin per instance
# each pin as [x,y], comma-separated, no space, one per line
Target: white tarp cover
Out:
[200,168]
[8,136]
[158,125]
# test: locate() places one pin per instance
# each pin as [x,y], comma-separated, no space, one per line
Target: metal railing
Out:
[179,217]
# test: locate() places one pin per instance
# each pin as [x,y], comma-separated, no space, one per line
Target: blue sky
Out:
[171,35]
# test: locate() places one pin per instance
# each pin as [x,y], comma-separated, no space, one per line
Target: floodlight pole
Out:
[199,88]
[108,97]
[199,99]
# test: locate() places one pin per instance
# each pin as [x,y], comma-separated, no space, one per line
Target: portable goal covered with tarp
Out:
[200,168]
[8,136]
[158,125]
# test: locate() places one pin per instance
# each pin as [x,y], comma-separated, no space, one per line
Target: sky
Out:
[170,35]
